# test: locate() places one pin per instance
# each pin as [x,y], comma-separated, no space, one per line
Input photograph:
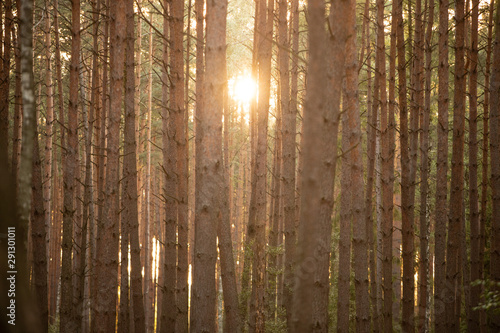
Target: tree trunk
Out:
[495,166]
[344,253]
[5,80]
[387,170]
[251,230]
[148,311]
[38,236]
[356,174]
[423,267]
[274,218]
[209,171]
[372,117]
[96,111]
[130,295]
[18,114]
[107,252]
[67,312]
[484,164]
[101,168]
[168,312]
[264,53]
[232,321]
[475,241]
[392,227]
[321,113]
[407,218]
[31,318]
[48,170]
[129,178]
[441,211]
[289,112]
[456,218]
[181,118]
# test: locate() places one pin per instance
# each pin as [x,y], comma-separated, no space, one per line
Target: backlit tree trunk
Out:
[209,166]
[107,253]
[180,111]
[129,178]
[289,124]
[356,165]
[344,253]
[321,113]
[232,322]
[387,166]
[168,313]
[264,52]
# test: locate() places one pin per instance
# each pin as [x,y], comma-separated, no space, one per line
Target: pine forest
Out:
[227,166]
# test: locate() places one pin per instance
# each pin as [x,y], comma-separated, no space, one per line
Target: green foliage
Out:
[275,250]
[278,325]
[54,328]
[490,296]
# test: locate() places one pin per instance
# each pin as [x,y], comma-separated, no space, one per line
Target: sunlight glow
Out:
[243,89]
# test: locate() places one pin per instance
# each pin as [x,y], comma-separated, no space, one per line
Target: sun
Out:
[243,88]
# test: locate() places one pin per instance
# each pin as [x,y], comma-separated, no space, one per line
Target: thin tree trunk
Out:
[5,80]
[169,308]
[67,312]
[344,252]
[129,210]
[274,219]
[387,170]
[423,273]
[371,135]
[80,250]
[251,230]
[148,311]
[48,170]
[264,52]
[38,236]
[441,212]
[360,248]
[475,240]
[232,321]
[456,218]
[495,166]
[484,186]
[18,114]
[102,166]
[289,112]
[179,107]
[123,324]
[407,218]
[96,111]
[129,178]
